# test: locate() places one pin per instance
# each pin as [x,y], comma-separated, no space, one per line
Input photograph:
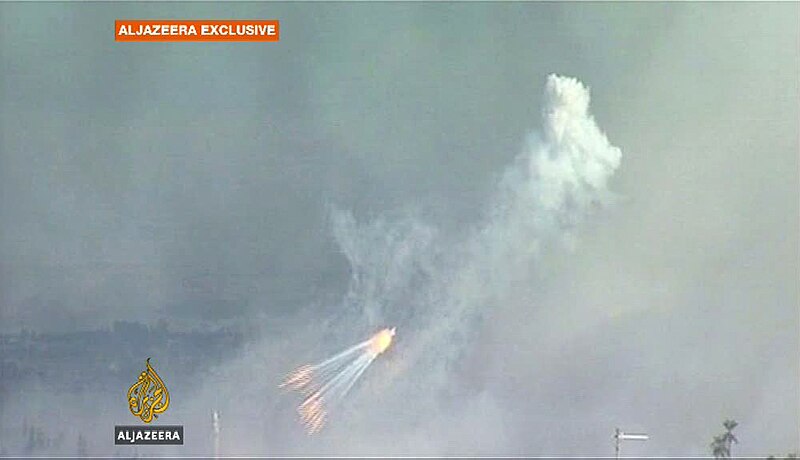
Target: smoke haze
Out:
[586,219]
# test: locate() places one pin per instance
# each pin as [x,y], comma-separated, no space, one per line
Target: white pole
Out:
[215,425]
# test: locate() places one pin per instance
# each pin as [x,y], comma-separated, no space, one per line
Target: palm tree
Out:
[728,438]
[718,448]
[721,445]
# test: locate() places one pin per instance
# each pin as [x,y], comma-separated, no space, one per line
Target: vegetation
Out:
[721,445]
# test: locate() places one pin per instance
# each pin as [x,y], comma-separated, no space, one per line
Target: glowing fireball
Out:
[382,340]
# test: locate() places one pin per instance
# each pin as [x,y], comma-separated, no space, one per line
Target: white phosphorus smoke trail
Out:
[444,281]
[327,383]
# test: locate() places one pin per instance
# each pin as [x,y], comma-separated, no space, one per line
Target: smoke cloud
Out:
[438,286]
[406,174]
[435,284]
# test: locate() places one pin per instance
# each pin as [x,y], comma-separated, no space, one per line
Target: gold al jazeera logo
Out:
[147,398]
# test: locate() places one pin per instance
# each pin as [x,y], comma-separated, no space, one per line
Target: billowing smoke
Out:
[531,318]
[435,286]
[568,170]
[438,286]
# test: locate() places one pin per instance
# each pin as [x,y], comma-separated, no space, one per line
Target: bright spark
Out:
[382,340]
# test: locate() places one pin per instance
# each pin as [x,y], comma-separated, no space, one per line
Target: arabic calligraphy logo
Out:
[148,397]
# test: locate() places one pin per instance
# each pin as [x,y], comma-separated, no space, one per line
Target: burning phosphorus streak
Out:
[327,383]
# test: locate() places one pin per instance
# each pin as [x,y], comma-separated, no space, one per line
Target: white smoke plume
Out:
[436,286]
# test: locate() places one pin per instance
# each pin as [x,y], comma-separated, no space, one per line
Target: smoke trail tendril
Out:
[436,284]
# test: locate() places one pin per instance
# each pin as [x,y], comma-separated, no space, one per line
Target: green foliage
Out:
[721,445]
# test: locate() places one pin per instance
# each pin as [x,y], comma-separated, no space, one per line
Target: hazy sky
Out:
[335,181]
